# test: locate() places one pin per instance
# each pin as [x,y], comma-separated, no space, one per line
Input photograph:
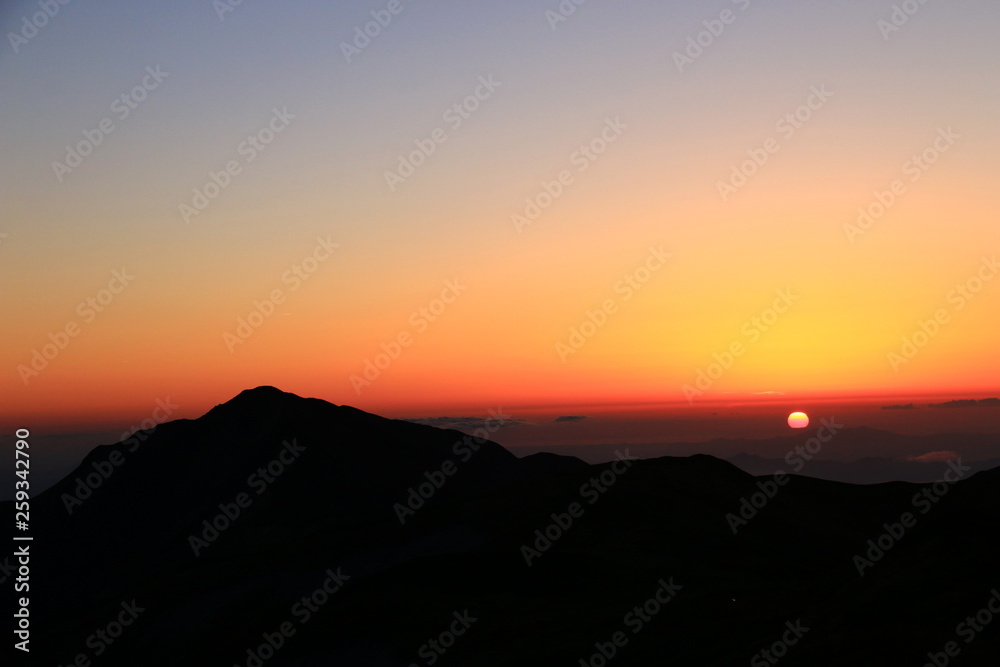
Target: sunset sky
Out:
[168,169]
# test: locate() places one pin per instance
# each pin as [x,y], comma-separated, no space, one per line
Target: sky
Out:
[485,204]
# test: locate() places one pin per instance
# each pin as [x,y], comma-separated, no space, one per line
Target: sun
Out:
[798,420]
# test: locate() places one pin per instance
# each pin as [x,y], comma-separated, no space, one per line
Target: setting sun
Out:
[798,420]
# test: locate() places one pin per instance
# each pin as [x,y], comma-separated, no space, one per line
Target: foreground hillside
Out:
[277,530]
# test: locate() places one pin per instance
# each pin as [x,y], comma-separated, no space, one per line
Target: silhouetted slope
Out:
[868,470]
[599,539]
[848,457]
[340,465]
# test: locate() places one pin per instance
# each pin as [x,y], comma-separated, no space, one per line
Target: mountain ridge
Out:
[545,548]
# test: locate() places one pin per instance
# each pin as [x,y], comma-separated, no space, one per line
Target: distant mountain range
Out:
[279,530]
[849,456]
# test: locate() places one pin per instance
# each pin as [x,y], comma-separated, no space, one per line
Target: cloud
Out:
[463,423]
[571,418]
[908,406]
[934,457]
[970,403]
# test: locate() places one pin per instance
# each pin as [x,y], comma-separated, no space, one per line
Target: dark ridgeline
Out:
[331,506]
[858,455]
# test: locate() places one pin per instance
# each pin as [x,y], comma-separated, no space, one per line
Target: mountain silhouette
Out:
[280,530]
[846,458]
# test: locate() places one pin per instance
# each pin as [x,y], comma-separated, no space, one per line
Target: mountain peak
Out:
[254,402]
[263,392]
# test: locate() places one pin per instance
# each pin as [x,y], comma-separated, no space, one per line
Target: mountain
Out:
[869,470]
[847,457]
[279,530]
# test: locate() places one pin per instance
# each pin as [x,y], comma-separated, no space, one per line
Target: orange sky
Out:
[905,123]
